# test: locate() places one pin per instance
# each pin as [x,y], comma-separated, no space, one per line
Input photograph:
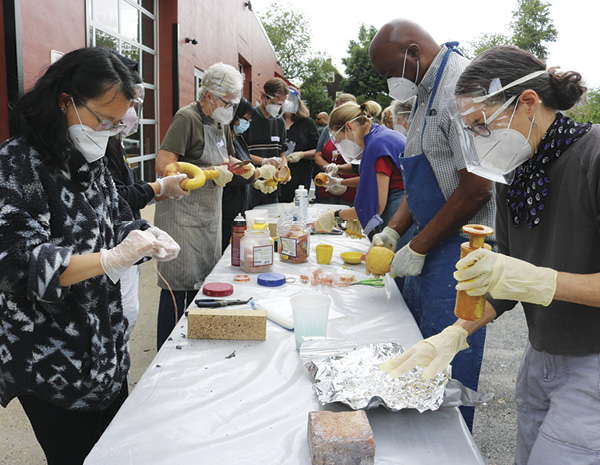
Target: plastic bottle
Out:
[260,223]
[237,232]
[256,251]
[301,201]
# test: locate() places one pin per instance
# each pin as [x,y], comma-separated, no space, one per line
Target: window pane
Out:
[147,67]
[132,144]
[149,5]
[130,51]
[129,20]
[105,40]
[147,31]
[149,112]
[149,139]
[105,12]
[150,170]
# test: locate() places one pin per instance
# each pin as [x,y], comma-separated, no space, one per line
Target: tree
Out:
[532,27]
[588,109]
[289,32]
[530,30]
[362,79]
[313,89]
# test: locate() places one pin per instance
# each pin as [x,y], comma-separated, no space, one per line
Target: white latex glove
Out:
[275,161]
[170,187]
[332,168]
[266,171]
[326,221]
[434,354]
[504,277]
[295,157]
[260,185]
[334,185]
[354,229]
[225,175]
[249,171]
[407,262]
[387,238]
[137,245]
[165,248]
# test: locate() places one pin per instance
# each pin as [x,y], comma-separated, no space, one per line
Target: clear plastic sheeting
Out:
[247,402]
[354,378]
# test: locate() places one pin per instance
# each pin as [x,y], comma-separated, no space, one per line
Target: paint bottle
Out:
[237,232]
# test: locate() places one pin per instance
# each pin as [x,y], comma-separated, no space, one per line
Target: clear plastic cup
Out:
[311,314]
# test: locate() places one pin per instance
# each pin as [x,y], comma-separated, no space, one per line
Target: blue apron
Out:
[431,295]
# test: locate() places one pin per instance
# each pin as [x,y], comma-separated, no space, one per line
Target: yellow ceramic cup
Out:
[324,253]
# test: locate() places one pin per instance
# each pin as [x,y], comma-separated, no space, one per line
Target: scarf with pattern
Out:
[527,193]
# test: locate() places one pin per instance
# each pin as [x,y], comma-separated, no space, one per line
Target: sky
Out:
[335,22]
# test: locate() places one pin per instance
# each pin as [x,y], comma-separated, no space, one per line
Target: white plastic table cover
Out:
[247,402]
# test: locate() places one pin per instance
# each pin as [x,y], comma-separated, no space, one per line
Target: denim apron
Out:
[431,295]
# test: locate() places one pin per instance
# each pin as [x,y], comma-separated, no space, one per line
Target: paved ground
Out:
[494,429]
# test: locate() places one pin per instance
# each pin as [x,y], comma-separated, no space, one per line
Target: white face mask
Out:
[503,151]
[223,115]
[92,144]
[131,120]
[401,88]
[273,109]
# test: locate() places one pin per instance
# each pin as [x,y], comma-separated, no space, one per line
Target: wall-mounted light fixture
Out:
[193,41]
[248,5]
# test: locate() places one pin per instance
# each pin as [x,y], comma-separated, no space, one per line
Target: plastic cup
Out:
[324,254]
[311,314]
[251,215]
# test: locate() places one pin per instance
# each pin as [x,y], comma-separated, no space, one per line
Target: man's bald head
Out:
[396,38]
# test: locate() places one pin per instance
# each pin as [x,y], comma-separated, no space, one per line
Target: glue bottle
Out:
[237,232]
[260,223]
[301,201]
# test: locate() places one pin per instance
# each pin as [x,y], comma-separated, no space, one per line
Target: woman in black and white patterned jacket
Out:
[65,239]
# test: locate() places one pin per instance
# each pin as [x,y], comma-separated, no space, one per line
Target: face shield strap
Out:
[493,89]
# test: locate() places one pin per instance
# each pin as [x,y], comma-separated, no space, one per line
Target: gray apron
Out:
[194,222]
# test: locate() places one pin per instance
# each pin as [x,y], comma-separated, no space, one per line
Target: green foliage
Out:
[362,79]
[313,89]
[289,32]
[532,27]
[588,109]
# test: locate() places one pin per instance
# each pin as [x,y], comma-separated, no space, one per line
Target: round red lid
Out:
[217,289]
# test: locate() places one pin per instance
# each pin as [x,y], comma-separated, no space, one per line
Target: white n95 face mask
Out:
[401,88]
[92,144]
[223,115]
[273,109]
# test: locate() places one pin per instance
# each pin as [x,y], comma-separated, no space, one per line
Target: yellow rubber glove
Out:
[504,277]
[407,262]
[434,354]
[295,157]
[246,171]
[266,171]
[387,238]
[354,229]
[225,175]
[261,186]
[326,222]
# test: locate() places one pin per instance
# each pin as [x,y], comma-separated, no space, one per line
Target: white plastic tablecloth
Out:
[247,402]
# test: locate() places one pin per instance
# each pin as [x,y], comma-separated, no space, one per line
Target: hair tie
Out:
[363,106]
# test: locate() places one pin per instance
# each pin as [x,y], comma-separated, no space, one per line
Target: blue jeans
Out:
[167,316]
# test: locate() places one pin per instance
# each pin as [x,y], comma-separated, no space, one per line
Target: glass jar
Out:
[256,251]
[294,242]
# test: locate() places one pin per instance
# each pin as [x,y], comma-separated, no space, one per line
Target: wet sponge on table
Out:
[212,323]
[340,438]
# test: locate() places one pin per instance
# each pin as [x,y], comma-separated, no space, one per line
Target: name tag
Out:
[275,138]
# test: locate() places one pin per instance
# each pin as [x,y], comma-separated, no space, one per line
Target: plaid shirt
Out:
[440,142]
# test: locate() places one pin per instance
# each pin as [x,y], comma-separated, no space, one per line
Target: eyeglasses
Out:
[228,103]
[106,124]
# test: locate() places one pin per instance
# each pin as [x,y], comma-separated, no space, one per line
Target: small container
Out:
[237,232]
[293,242]
[217,289]
[256,251]
[271,279]
[301,201]
[260,223]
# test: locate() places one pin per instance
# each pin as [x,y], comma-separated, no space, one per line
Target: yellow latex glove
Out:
[326,222]
[387,238]
[266,171]
[295,157]
[354,229]
[225,175]
[434,354]
[504,277]
[261,186]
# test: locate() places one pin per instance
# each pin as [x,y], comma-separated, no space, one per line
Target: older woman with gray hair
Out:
[199,134]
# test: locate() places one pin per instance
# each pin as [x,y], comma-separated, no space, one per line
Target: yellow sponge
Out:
[212,323]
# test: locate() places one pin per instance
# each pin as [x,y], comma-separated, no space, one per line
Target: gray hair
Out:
[220,79]
[401,110]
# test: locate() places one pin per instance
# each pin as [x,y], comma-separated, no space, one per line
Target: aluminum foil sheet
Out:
[351,375]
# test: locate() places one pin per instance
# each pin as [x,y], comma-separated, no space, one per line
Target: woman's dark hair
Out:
[558,90]
[243,107]
[85,74]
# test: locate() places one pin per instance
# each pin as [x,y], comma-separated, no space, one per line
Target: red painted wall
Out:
[44,29]
[3,90]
